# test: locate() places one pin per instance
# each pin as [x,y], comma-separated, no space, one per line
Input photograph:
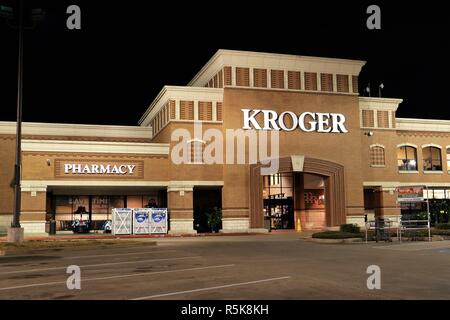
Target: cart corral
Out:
[139,221]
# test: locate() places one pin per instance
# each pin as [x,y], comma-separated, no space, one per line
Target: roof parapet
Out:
[274,61]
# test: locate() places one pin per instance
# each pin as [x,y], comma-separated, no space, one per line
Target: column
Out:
[33,210]
[251,77]
[386,205]
[196,115]
[350,84]
[235,206]
[390,119]
[233,76]
[334,82]
[302,80]
[299,204]
[180,204]
[286,79]
[375,118]
[319,81]
[214,111]
[177,109]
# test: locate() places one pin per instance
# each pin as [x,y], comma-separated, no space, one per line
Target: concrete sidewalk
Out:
[133,236]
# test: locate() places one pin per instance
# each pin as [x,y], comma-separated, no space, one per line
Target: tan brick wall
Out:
[188,172]
[386,203]
[7,158]
[33,205]
[180,204]
[5,222]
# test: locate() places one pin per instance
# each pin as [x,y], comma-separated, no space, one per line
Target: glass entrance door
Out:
[280,213]
[294,201]
[279,201]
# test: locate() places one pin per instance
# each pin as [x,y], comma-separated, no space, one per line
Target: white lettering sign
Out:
[73,168]
[306,121]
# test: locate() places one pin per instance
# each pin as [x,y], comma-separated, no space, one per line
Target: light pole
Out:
[368,89]
[17,165]
[380,88]
[15,232]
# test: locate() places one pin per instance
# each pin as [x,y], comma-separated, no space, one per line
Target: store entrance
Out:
[294,201]
[279,212]
[207,209]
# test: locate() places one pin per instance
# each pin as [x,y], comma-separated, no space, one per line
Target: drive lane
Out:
[231,269]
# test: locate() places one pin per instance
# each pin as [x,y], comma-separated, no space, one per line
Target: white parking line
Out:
[117,254]
[95,265]
[115,277]
[210,288]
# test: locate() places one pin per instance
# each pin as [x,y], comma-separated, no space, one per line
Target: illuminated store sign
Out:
[73,168]
[306,121]
[410,194]
[99,169]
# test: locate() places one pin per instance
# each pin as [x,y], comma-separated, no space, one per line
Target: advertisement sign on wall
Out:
[410,194]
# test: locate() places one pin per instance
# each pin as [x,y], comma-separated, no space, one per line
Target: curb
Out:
[116,237]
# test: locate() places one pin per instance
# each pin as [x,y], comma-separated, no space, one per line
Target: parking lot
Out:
[232,267]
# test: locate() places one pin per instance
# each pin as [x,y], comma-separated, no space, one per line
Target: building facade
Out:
[340,156]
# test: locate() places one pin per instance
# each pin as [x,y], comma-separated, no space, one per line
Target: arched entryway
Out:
[332,173]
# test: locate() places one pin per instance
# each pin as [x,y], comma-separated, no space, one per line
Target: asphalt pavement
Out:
[282,266]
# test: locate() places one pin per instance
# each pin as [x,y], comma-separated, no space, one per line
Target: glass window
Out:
[274,180]
[80,207]
[196,149]
[407,158]
[135,202]
[278,186]
[432,159]
[377,156]
[448,159]
[63,208]
[100,206]
[438,194]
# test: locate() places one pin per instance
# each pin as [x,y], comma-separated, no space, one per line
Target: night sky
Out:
[110,71]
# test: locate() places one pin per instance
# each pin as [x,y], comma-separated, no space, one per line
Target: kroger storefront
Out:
[255,142]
